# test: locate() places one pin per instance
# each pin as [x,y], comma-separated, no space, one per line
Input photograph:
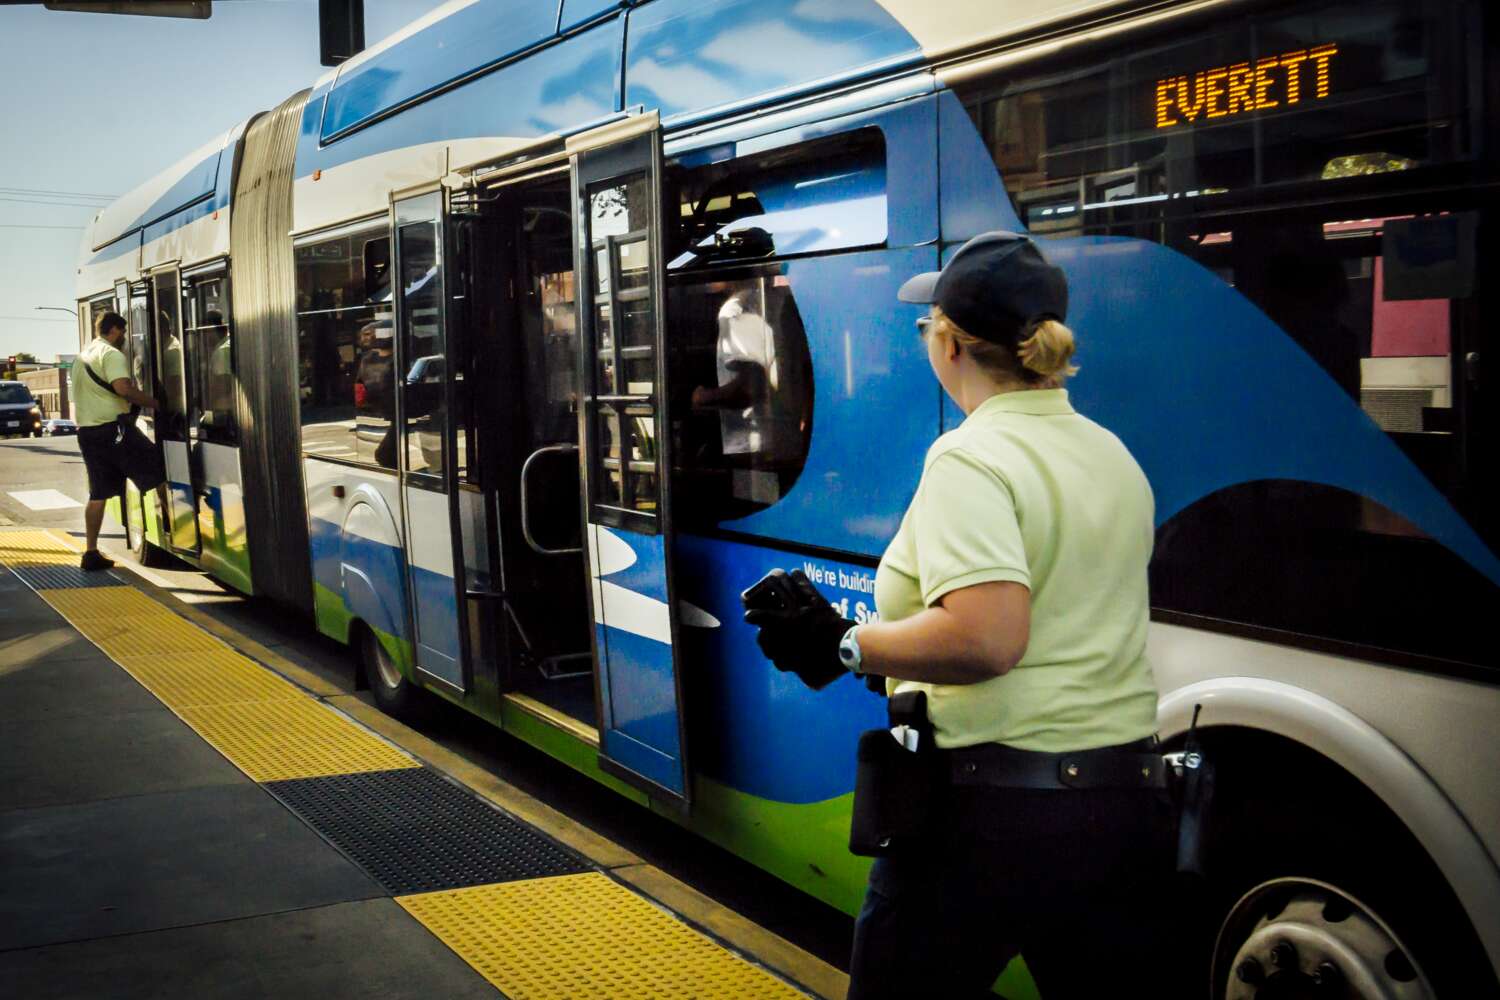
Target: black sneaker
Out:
[93,560]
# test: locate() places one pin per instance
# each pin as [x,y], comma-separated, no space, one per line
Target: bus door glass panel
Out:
[627,526]
[468,350]
[428,487]
[142,347]
[121,305]
[174,414]
[213,454]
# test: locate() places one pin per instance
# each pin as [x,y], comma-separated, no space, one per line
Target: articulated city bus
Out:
[518,346]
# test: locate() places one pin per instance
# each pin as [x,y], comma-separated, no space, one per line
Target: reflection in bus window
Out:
[809,198]
[740,358]
[425,349]
[623,457]
[205,304]
[345,383]
[139,327]
[1325,204]
[169,361]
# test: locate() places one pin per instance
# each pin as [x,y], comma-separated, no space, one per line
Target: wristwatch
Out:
[849,654]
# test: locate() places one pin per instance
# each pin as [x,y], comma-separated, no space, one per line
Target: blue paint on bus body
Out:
[464,42]
[548,92]
[685,57]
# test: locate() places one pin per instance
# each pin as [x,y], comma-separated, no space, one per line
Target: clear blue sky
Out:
[97,103]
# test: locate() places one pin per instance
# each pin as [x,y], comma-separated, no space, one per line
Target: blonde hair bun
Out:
[1048,350]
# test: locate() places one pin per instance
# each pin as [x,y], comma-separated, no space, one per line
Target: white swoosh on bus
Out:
[625,609]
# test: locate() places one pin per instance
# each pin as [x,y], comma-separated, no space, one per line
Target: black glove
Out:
[799,630]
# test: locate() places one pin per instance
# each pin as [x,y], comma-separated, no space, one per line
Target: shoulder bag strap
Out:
[95,376]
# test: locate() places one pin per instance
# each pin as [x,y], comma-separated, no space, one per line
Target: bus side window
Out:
[345,374]
[1293,154]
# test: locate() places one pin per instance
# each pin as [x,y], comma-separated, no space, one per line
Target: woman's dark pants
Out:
[1076,881]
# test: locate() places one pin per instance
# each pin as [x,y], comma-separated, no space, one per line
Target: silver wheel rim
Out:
[390,677]
[1296,937]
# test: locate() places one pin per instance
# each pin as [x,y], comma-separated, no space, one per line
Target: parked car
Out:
[19,413]
[58,426]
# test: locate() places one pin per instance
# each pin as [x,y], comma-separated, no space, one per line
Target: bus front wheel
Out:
[1317,889]
[145,553]
[1295,937]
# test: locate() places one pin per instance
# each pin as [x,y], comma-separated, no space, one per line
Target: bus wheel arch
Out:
[1307,792]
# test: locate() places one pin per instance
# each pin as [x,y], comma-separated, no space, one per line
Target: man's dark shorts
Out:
[110,462]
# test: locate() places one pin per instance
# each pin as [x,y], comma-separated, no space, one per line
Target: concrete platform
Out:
[200,825]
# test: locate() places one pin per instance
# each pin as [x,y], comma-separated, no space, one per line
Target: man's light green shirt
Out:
[91,403]
[1029,491]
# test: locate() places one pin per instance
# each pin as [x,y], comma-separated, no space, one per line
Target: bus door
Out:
[136,300]
[174,415]
[130,511]
[625,465]
[429,454]
[213,452]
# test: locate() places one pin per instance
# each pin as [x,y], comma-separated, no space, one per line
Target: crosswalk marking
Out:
[45,499]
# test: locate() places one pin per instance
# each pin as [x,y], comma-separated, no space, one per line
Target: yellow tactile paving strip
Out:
[213,677]
[264,725]
[113,603]
[280,740]
[34,548]
[586,938]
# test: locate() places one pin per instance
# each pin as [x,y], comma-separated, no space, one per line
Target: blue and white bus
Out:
[520,344]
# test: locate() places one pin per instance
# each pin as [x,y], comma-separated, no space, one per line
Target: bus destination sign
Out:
[1273,82]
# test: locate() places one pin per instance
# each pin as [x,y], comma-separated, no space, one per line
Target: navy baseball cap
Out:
[995,286]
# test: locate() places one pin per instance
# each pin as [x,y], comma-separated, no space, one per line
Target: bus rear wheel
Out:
[394,694]
[1291,938]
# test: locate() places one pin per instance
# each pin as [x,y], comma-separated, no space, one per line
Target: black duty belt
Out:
[1133,765]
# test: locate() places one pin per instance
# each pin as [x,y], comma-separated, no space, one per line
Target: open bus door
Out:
[174,416]
[443,520]
[624,462]
[140,353]
[131,515]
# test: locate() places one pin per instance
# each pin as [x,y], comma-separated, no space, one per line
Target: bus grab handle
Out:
[536,546]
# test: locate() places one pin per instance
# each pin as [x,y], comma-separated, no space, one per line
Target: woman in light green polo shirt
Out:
[1014,596]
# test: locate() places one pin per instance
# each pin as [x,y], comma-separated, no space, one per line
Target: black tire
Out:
[147,554]
[394,694]
[1334,866]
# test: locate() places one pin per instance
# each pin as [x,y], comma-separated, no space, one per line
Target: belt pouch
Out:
[894,788]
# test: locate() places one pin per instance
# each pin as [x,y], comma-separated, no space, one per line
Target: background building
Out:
[49,386]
